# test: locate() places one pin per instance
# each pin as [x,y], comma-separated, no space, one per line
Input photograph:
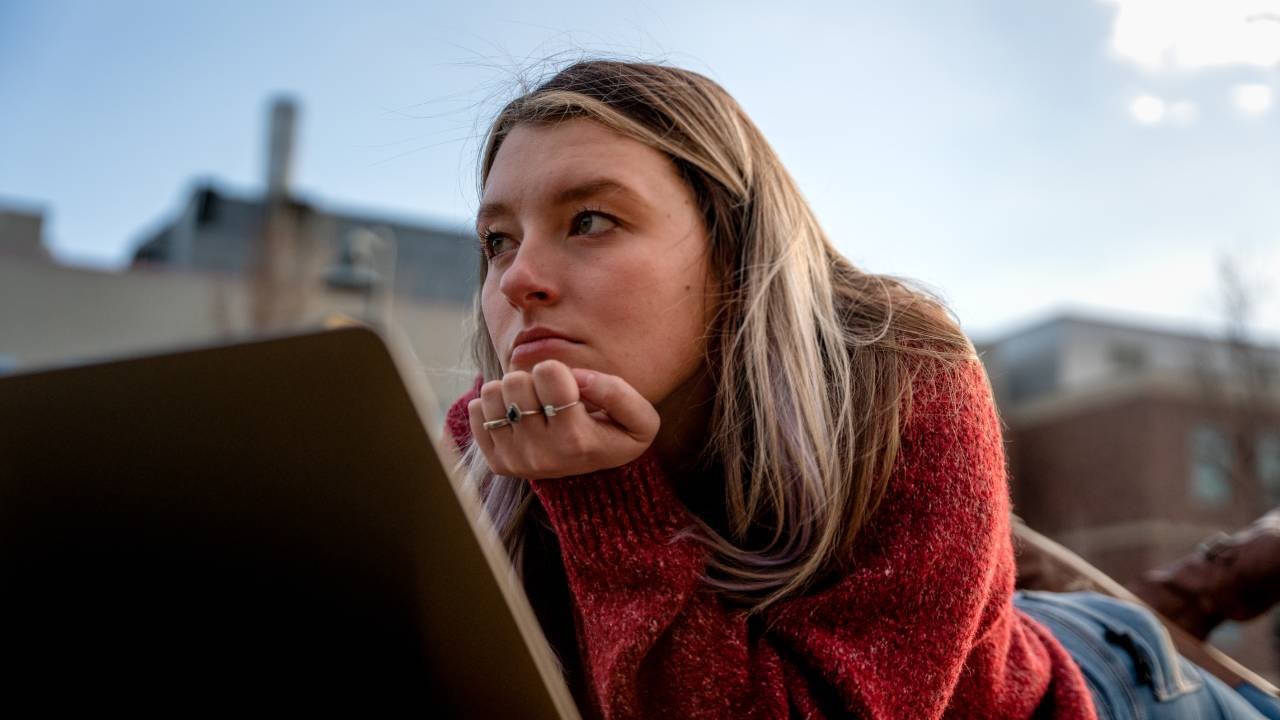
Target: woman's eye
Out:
[591,223]
[493,244]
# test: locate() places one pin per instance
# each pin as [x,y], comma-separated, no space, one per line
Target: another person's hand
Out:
[612,424]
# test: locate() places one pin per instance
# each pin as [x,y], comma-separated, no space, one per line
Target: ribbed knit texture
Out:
[923,627]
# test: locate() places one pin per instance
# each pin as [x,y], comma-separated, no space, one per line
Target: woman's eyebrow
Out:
[492,210]
[594,188]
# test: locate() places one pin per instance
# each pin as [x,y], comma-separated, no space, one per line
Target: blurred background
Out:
[1092,185]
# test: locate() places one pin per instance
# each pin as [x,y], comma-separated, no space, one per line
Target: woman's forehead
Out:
[571,161]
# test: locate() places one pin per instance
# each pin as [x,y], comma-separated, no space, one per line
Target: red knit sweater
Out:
[924,627]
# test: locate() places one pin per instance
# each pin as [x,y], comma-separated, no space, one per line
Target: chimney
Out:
[21,231]
[284,113]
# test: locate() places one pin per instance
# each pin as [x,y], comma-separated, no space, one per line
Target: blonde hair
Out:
[811,357]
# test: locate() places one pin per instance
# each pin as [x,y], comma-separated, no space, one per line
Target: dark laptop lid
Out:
[265,521]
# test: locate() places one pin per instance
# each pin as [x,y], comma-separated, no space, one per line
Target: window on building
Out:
[1267,455]
[1127,358]
[1211,459]
[355,268]
[1268,375]
[1227,637]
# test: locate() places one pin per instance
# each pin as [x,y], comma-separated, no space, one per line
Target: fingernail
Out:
[584,377]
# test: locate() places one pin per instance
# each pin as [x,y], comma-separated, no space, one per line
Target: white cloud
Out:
[1253,98]
[1183,112]
[1147,109]
[1160,34]
[1151,110]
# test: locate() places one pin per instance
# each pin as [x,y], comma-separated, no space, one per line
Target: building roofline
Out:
[30,206]
[352,214]
[361,214]
[339,210]
[1119,320]
[1153,385]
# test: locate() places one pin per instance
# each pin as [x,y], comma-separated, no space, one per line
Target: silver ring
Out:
[550,410]
[514,413]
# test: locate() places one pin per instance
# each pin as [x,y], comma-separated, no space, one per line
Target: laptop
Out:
[269,523]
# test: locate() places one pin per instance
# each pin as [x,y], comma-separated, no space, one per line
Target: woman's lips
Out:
[533,350]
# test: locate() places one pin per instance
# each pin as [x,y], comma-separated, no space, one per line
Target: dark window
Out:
[1228,636]
[1126,358]
[1267,455]
[1268,375]
[206,206]
[1211,459]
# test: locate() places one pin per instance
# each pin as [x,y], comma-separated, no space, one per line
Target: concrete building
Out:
[228,266]
[218,232]
[1131,445]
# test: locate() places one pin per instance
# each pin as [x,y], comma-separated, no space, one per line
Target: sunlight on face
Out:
[597,257]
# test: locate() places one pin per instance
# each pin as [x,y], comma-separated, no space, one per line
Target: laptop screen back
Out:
[266,520]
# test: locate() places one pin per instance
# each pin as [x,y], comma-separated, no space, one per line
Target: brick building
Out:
[1131,445]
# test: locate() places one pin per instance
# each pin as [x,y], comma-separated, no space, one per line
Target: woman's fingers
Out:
[517,390]
[529,448]
[492,409]
[554,384]
[624,404]
[491,400]
[475,414]
[573,441]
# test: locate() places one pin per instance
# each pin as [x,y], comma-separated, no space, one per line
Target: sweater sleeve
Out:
[923,625]
[654,643]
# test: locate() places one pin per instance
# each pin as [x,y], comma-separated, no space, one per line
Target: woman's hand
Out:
[611,426]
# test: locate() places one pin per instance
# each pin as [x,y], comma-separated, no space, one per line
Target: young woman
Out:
[739,476]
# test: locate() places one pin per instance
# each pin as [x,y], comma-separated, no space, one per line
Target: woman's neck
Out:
[686,428]
[696,476]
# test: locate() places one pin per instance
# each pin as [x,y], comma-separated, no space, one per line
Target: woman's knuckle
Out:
[606,388]
[535,467]
[576,445]
[546,370]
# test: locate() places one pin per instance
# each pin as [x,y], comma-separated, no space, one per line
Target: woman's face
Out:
[597,257]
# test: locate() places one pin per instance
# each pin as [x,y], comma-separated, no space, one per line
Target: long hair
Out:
[812,359]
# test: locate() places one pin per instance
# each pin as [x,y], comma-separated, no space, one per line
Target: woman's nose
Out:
[530,278]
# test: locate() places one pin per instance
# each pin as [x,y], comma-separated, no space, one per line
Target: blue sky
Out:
[1019,158]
